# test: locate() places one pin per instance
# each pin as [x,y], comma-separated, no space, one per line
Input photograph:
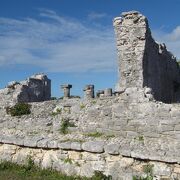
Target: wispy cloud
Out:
[95,15]
[57,44]
[171,39]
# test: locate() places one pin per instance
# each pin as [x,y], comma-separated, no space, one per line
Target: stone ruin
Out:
[119,133]
[142,61]
[35,89]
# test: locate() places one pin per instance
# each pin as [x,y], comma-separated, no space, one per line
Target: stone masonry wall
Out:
[84,163]
[117,135]
[132,126]
[142,61]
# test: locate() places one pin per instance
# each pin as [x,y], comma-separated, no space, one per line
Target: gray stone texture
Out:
[35,89]
[144,62]
[89,91]
[66,89]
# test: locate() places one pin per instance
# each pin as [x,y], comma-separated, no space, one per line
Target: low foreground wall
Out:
[116,135]
[85,163]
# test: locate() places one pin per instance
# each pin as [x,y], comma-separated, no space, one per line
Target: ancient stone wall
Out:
[132,127]
[117,135]
[34,89]
[142,61]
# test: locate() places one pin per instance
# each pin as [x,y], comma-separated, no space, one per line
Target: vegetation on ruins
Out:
[19,109]
[148,170]
[58,111]
[94,134]
[53,98]
[65,124]
[82,106]
[68,160]
[30,171]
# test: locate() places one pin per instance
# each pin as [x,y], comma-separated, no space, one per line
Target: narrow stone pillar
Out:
[108,92]
[66,88]
[89,91]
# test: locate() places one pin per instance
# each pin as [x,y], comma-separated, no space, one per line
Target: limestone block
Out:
[43,143]
[64,145]
[112,149]
[161,169]
[21,156]
[47,161]
[93,146]
[99,165]
[76,146]
[87,170]
[52,144]
[177,169]
[74,155]
[126,162]
[31,141]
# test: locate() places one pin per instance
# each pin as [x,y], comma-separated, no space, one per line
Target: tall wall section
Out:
[143,62]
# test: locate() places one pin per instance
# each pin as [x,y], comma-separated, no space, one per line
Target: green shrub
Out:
[14,171]
[142,178]
[53,98]
[82,106]
[58,111]
[30,164]
[68,160]
[148,170]
[98,175]
[19,109]
[110,136]
[64,126]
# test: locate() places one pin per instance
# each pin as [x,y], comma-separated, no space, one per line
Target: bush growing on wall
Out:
[19,109]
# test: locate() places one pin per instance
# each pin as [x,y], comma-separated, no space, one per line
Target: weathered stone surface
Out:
[93,146]
[64,145]
[76,146]
[36,88]
[112,149]
[142,60]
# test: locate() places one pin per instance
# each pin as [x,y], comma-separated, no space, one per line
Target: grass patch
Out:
[58,111]
[12,171]
[94,102]
[68,160]
[148,170]
[19,109]
[72,140]
[140,138]
[65,125]
[82,106]
[110,136]
[94,134]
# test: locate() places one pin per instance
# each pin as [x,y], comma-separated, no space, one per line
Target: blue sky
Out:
[73,40]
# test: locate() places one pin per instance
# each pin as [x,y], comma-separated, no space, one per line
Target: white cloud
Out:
[57,44]
[171,39]
[95,15]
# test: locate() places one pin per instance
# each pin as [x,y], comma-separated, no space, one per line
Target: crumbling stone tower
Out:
[143,62]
